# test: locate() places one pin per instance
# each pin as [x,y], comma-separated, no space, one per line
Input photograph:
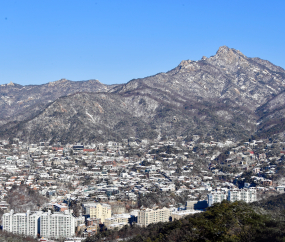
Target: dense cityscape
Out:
[82,189]
[142,121]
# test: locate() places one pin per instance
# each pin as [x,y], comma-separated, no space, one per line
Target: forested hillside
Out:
[227,221]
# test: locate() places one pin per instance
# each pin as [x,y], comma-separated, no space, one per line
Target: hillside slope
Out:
[224,96]
[20,102]
[222,222]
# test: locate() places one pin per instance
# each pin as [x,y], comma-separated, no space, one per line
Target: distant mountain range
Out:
[227,95]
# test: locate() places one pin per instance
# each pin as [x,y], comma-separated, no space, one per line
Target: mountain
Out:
[227,95]
[272,117]
[18,102]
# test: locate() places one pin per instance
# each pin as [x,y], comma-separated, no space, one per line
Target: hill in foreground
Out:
[226,221]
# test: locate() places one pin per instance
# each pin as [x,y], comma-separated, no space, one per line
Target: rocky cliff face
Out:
[227,95]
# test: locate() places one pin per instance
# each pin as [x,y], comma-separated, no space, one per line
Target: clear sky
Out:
[115,41]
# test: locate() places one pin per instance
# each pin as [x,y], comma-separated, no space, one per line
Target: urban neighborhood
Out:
[73,191]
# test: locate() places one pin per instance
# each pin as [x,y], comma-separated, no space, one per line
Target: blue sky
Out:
[116,41]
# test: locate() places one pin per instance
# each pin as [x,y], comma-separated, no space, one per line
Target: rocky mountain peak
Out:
[227,57]
[94,81]
[62,80]
[223,50]
[184,63]
[228,54]
[11,84]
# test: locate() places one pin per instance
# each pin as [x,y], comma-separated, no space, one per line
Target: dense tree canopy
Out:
[226,221]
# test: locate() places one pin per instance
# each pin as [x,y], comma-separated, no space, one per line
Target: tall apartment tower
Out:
[57,225]
[148,216]
[22,223]
[98,210]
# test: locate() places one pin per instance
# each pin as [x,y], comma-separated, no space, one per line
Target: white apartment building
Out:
[57,225]
[216,197]
[22,223]
[98,210]
[247,195]
[148,216]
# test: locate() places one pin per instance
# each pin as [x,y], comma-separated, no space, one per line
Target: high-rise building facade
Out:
[57,225]
[22,223]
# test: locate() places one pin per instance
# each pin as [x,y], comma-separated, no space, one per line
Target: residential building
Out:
[247,195]
[190,204]
[21,223]
[216,197]
[57,225]
[98,210]
[148,216]
[117,221]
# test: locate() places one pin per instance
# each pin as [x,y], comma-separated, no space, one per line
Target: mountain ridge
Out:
[220,96]
[19,102]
